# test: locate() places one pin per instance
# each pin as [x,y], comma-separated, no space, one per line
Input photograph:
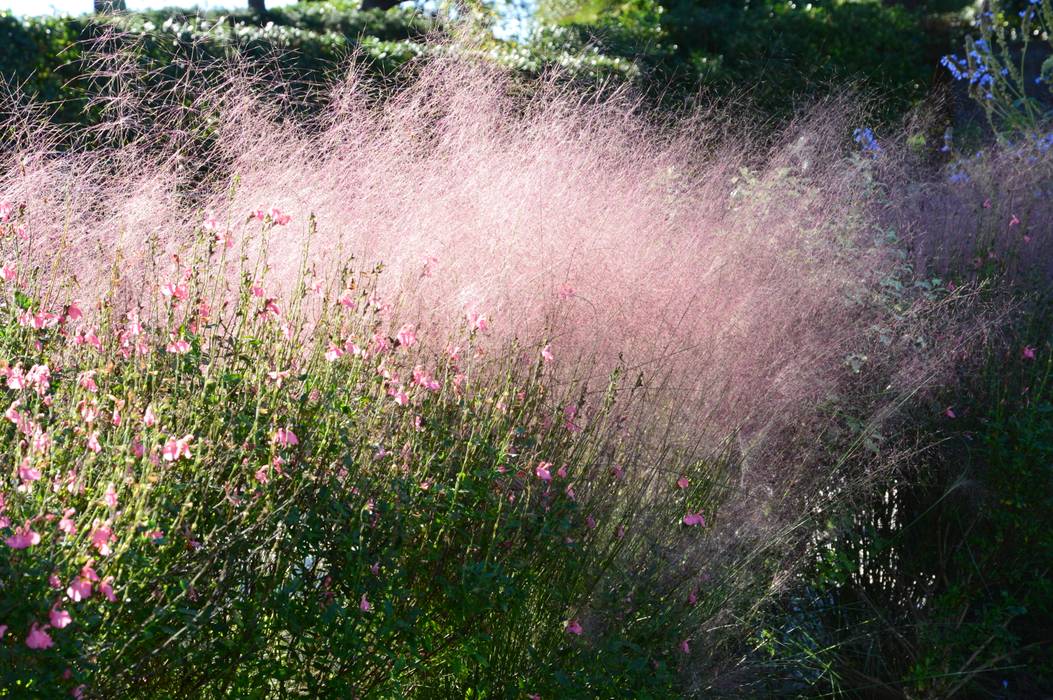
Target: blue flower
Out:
[866,140]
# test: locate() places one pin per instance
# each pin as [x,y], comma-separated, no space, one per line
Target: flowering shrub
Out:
[996,67]
[299,492]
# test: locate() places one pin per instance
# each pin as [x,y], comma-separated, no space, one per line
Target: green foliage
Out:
[776,51]
[939,586]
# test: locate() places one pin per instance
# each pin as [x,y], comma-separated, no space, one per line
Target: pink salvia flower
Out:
[573,627]
[407,336]
[93,443]
[685,647]
[79,590]
[682,483]
[149,418]
[175,291]
[66,523]
[101,538]
[546,353]
[23,538]
[950,412]
[333,352]
[27,473]
[176,449]
[178,347]
[279,217]
[86,380]
[694,519]
[9,272]
[110,497]
[477,322]
[38,638]
[59,618]
[285,437]
[364,605]
[542,471]
[1014,221]
[106,589]
[1028,352]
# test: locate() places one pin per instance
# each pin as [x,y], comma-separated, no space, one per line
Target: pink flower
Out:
[3,631]
[27,473]
[278,377]
[80,589]
[87,381]
[285,437]
[542,471]
[1028,352]
[110,497]
[9,273]
[693,519]
[178,347]
[175,291]
[685,647]
[89,411]
[407,336]
[73,312]
[950,412]
[692,597]
[93,443]
[562,472]
[590,522]
[23,538]
[364,605]
[176,448]
[1014,221]
[987,204]
[573,627]
[149,418]
[477,322]
[618,472]
[6,209]
[400,396]
[546,353]
[38,638]
[59,618]
[66,524]
[279,217]
[106,588]
[423,379]
[347,299]
[101,537]
[270,307]
[682,483]
[333,352]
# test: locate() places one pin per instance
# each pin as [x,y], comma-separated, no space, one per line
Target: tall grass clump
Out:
[469,387]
